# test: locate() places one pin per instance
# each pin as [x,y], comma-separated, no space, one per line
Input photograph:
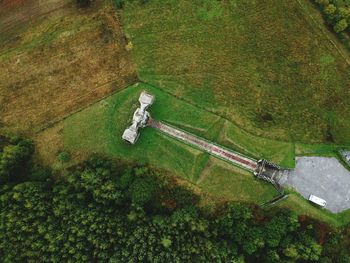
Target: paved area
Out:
[213,149]
[321,176]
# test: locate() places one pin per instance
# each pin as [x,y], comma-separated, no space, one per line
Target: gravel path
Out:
[213,149]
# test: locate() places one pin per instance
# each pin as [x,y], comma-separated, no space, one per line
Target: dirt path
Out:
[211,148]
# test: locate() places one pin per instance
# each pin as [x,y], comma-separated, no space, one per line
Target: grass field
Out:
[100,126]
[53,63]
[272,74]
[98,129]
[226,181]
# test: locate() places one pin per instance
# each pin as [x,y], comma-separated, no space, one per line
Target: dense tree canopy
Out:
[337,15]
[103,211]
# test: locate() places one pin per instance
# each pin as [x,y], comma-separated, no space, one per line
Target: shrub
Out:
[83,3]
[64,156]
[119,3]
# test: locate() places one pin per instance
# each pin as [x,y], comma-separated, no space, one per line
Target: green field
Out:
[274,75]
[225,181]
[99,129]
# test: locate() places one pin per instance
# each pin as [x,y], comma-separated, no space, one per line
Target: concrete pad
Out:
[321,176]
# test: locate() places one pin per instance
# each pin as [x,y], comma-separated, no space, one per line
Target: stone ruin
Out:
[139,119]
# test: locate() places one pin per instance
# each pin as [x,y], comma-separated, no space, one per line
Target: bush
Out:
[83,3]
[119,3]
[64,156]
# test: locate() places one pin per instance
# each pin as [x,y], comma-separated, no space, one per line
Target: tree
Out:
[166,242]
[344,12]
[330,9]
[13,159]
[142,190]
[341,26]
[323,2]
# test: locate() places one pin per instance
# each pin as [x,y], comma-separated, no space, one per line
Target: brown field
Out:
[56,60]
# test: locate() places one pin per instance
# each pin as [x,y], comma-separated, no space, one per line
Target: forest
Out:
[104,210]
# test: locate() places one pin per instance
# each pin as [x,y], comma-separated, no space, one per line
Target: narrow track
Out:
[211,148]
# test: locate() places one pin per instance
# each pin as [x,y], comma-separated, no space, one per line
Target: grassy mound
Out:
[274,74]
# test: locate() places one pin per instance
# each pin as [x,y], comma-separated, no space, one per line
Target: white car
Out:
[318,201]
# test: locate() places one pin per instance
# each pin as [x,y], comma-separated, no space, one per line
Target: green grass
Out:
[270,73]
[225,181]
[261,148]
[99,129]
[331,150]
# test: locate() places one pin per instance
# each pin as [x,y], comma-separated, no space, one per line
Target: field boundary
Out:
[54,122]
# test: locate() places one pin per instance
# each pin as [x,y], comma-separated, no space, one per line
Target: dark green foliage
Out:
[337,15]
[83,3]
[119,3]
[174,197]
[336,250]
[101,211]
[64,156]
[38,173]
[14,158]
[142,191]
